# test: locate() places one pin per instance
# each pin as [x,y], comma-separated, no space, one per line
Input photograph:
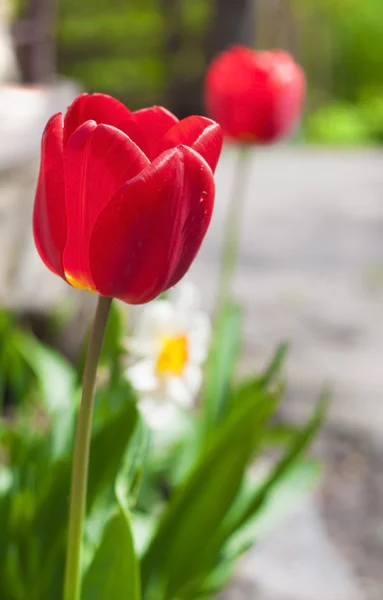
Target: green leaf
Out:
[57,381]
[108,448]
[220,366]
[133,470]
[114,571]
[176,554]
[281,435]
[17,380]
[210,587]
[274,367]
[143,526]
[112,348]
[288,490]
[110,399]
[269,380]
[55,375]
[299,445]
[253,500]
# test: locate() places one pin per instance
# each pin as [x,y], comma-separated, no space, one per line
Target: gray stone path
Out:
[297,561]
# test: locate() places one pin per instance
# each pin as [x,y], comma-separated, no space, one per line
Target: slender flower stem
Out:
[72,589]
[232,234]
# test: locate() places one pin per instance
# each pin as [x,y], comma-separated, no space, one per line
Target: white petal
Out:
[155,320]
[158,415]
[193,377]
[199,336]
[179,392]
[186,297]
[143,376]
[141,347]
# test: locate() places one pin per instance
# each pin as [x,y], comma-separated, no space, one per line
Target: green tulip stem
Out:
[231,241]
[72,586]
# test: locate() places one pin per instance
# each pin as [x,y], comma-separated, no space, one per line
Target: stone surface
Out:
[351,498]
[311,272]
[25,284]
[24,111]
[297,561]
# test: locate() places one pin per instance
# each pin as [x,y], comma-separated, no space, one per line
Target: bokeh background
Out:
[155,51]
[311,260]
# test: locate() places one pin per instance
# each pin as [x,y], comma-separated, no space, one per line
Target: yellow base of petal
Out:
[80,284]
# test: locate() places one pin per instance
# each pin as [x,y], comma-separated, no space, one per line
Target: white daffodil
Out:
[170,344]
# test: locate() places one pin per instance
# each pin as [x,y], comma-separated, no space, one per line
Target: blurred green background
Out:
[155,52]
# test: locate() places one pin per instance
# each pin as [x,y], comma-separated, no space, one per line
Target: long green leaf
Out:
[274,367]
[54,373]
[220,366]
[114,572]
[240,524]
[255,501]
[288,490]
[108,448]
[57,381]
[175,555]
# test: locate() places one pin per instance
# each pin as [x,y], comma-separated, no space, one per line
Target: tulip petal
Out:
[199,190]
[154,122]
[100,108]
[157,222]
[203,135]
[49,214]
[98,159]
[256,96]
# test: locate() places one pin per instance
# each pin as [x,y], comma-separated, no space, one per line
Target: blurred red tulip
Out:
[124,199]
[256,97]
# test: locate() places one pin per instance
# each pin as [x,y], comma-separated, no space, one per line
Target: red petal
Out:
[289,88]
[98,159]
[234,92]
[255,96]
[95,107]
[49,215]
[199,190]
[153,122]
[157,222]
[202,134]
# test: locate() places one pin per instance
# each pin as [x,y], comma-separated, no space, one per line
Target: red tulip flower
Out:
[256,97]
[124,199]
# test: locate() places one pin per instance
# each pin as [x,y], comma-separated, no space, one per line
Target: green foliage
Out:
[120,47]
[341,48]
[341,124]
[221,365]
[115,565]
[197,508]
[165,521]
[214,509]
[371,107]
[36,444]
[16,377]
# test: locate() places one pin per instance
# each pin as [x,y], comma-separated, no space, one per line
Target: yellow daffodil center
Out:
[173,356]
